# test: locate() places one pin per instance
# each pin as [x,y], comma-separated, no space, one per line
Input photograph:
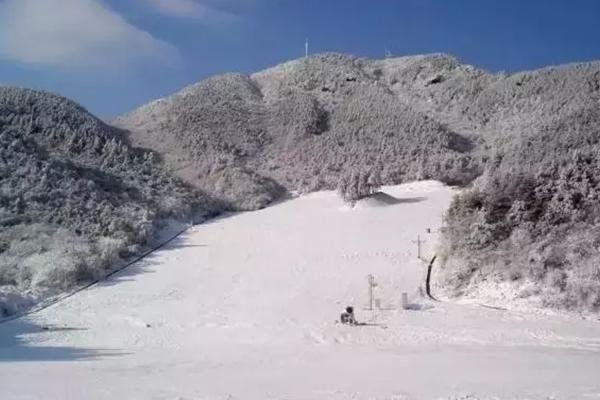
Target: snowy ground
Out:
[244,307]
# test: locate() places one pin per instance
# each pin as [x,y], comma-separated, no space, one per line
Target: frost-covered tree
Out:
[358,185]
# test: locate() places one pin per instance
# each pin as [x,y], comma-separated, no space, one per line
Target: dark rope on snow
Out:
[428,280]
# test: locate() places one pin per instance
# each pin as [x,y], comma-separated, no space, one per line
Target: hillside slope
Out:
[74,197]
[299,126]
[527,142]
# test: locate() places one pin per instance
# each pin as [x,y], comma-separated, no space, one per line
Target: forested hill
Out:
[74,197]
[525,144]
[301,126]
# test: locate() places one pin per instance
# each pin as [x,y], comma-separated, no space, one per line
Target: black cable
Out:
[428,280]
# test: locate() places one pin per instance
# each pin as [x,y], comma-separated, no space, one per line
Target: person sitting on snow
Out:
[348,317]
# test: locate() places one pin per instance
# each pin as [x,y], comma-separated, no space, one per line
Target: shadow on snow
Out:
[17,340]
[387,199]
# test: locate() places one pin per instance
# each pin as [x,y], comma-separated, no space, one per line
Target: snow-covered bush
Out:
[535,215]
[358,185]
[241,189]
[45,258]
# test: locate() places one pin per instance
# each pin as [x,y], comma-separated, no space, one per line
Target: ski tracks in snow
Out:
[245,307]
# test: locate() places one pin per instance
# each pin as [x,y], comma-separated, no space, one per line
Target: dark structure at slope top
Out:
[531,138]
[73,195]
[299,126]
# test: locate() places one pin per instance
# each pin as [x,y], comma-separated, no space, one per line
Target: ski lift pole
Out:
[419,242]
[372,284]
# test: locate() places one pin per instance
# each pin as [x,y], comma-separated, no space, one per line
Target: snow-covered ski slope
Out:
[244,307]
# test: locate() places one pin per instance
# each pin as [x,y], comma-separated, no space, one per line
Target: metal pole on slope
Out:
[372,284]
[418,242]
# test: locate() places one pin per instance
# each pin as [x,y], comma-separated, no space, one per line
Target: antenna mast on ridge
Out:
[306,48]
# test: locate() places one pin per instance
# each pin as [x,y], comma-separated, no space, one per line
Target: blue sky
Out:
[113,55]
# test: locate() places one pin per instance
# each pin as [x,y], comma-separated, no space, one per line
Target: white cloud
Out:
[181,8]
[194,9]
[75,33]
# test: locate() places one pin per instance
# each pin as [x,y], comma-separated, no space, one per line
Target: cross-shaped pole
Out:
[418,242]
[372,284]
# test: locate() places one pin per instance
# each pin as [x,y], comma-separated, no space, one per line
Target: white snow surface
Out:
[245,307]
